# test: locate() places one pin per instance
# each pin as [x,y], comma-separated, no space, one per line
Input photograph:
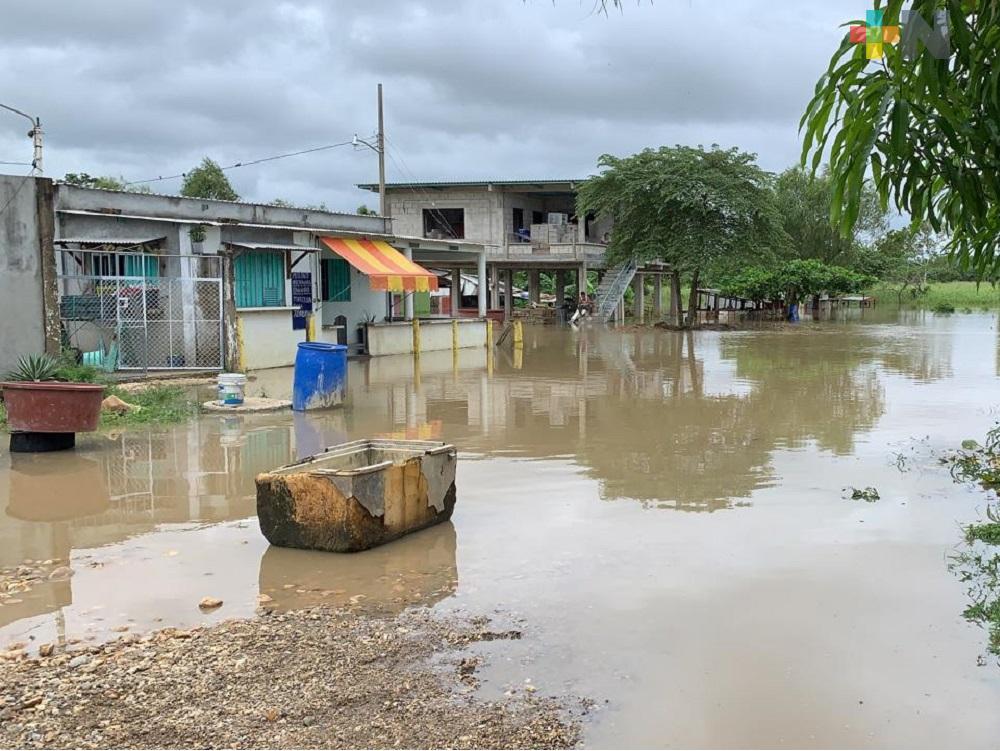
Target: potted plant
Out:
[197,235]
[37,401]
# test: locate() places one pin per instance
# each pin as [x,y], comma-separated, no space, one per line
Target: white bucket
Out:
[230,387]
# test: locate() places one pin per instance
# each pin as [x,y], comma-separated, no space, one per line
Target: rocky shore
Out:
[303,679]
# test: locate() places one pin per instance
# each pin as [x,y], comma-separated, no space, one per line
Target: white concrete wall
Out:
[364,301]
[397,338]
[268,338]
[21,307]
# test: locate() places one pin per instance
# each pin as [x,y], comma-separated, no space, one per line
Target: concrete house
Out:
[525,225]
[149,282]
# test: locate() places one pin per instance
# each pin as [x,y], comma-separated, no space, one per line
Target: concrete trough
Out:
[357,495]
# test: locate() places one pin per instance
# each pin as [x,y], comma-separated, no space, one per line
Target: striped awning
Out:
[386,267]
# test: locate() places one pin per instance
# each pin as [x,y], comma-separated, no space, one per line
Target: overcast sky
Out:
[473,88]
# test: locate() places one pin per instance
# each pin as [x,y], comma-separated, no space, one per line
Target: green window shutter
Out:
[421,303]
[260,279]
[336,280]
[142,266]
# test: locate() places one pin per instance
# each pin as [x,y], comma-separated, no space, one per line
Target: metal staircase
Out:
[612,287]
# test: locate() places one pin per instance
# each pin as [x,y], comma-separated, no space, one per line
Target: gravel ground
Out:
[17,581]
[303,679]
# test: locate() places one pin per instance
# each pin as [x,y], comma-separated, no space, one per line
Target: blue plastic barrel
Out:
[320,376]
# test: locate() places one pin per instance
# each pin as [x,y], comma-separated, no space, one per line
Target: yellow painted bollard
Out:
[311,329]
[518,334]
[489,333]
[518,357]
[416,336]
[454,335]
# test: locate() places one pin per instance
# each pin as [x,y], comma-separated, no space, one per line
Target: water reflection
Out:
[685,421]
[419,569]
[682,421]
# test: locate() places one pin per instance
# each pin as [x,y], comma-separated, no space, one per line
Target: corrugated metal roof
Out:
[133,194]
[107,215]
[272,246]
[107,240]
[461,183]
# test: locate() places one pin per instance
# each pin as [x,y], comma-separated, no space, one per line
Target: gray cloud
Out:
[474,88]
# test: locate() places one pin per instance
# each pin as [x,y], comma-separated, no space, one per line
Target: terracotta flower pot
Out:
[52,406]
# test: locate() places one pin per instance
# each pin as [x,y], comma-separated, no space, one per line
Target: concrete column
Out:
[408,296]
[639,298]
[534,286]
[508,294]
[581,279]
[456,291]
[658,297]
[494,286]
[481,273]
[560,280]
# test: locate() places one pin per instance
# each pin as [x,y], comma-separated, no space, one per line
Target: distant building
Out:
[525,225]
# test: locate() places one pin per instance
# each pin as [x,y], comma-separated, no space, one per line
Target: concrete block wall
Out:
[22,328]
[482,223]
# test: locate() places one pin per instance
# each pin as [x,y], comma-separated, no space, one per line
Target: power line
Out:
[401,166]
[248,163]
[19,164]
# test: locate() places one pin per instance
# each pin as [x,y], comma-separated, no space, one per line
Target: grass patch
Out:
[954,295]
[981,573]
[988,532]
[978,565]
[158,405]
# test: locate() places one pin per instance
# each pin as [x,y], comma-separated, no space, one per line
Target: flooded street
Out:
[667,517]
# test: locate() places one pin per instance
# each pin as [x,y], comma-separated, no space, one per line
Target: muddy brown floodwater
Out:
[664,515]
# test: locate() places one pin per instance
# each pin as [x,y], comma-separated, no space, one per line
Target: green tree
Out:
[907,257]
[363,210]
[804,201]
[695,209]
[925,127]
[207,180]
[793,280]
[106,182]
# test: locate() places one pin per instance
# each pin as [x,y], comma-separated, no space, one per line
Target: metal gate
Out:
[139,311]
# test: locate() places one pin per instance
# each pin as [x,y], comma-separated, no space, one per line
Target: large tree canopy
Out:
[804,202]
[207,180]
[685,206]
[927,128]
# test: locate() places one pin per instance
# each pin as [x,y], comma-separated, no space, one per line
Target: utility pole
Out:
[35,134]
[382,207]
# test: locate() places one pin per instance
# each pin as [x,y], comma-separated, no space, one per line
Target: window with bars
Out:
[335,280]
[260,279]
[113,264]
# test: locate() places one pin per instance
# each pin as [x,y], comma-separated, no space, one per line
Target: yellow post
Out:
[489,332]
[311,328]
[518,334]
[416,336]
[518,357]
[454,335]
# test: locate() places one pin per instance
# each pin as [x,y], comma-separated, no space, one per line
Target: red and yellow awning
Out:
[386,267]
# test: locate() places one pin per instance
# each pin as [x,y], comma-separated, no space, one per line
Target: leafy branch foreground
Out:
[978,564]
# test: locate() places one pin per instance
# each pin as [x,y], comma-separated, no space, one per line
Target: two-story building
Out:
[525,225]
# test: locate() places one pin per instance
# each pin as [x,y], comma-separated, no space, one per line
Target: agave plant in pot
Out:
[45,413]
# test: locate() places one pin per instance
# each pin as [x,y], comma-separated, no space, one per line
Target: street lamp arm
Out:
[18,112]
[356,141]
